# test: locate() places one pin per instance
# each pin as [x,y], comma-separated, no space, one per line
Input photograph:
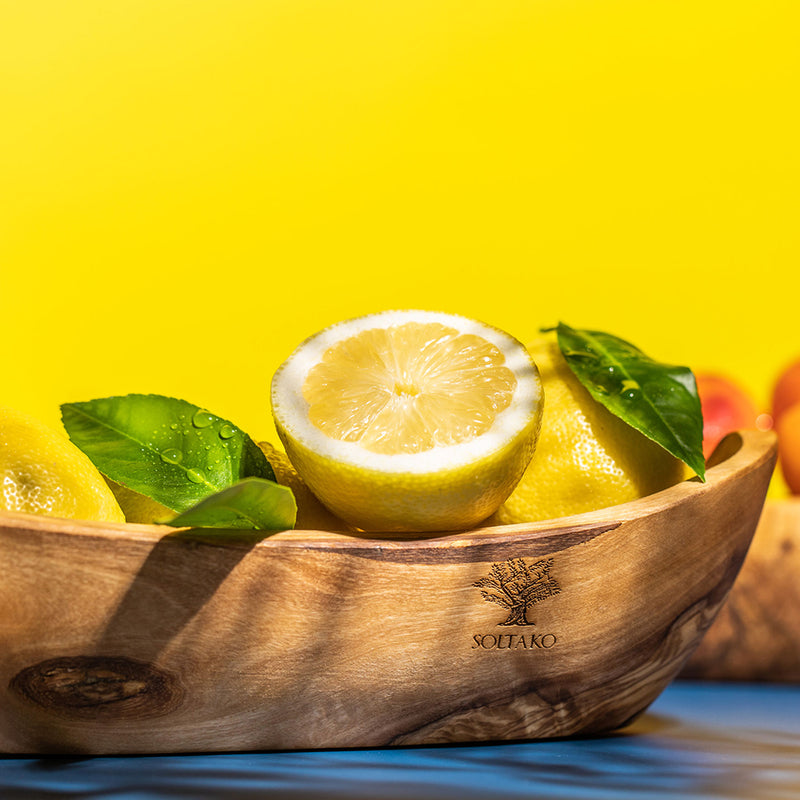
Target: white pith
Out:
[291,410]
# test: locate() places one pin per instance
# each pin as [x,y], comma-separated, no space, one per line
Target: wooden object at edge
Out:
[756,636]
[126,639]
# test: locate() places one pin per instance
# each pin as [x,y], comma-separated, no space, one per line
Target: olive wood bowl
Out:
[122,638]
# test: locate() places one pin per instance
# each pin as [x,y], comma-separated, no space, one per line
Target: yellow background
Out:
[189,188]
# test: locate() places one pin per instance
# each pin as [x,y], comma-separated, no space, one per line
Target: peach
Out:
[726,407]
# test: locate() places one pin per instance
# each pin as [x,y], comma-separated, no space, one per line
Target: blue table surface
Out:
[698,740]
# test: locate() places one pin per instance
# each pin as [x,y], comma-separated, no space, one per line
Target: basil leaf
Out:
[659,400]
[252,503]
[168,449]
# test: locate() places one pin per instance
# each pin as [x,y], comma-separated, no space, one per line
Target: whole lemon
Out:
[311,514]
[587,458]
[139,508]
[43,472]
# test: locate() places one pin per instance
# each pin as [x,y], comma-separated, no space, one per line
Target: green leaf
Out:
[252,503]
[168,449]
[659,400]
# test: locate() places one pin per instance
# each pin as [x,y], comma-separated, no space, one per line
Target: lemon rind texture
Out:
[451,499]
[43,472]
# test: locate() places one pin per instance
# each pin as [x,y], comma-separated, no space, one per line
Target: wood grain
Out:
[127,639]
[756,636]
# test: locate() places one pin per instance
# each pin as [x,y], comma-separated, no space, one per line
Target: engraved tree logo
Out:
[517,586]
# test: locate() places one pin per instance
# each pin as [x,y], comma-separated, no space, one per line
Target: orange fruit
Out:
[787,389]
[788,429]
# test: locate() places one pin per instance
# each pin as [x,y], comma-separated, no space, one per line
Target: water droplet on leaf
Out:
[202,418]
[227,431]
[195,476]
[171,455]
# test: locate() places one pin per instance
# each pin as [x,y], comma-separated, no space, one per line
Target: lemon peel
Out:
[311,514]
[43,472]
[139,508]
[586,458]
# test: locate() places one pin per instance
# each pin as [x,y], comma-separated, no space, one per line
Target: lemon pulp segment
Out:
[408,388]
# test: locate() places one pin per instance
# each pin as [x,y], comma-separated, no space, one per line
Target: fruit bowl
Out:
[130,639]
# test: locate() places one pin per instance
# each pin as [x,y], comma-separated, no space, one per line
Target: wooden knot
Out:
[93,687]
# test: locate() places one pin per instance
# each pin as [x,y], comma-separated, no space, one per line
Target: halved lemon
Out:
[409,420]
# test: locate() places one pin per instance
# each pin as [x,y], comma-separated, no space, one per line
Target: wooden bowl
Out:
[756,636]
[128,639]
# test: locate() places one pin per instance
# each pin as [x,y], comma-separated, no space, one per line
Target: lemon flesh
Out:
[42,472]
[409,420]
[586,458]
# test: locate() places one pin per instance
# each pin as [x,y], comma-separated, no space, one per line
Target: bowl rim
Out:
[737,454]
